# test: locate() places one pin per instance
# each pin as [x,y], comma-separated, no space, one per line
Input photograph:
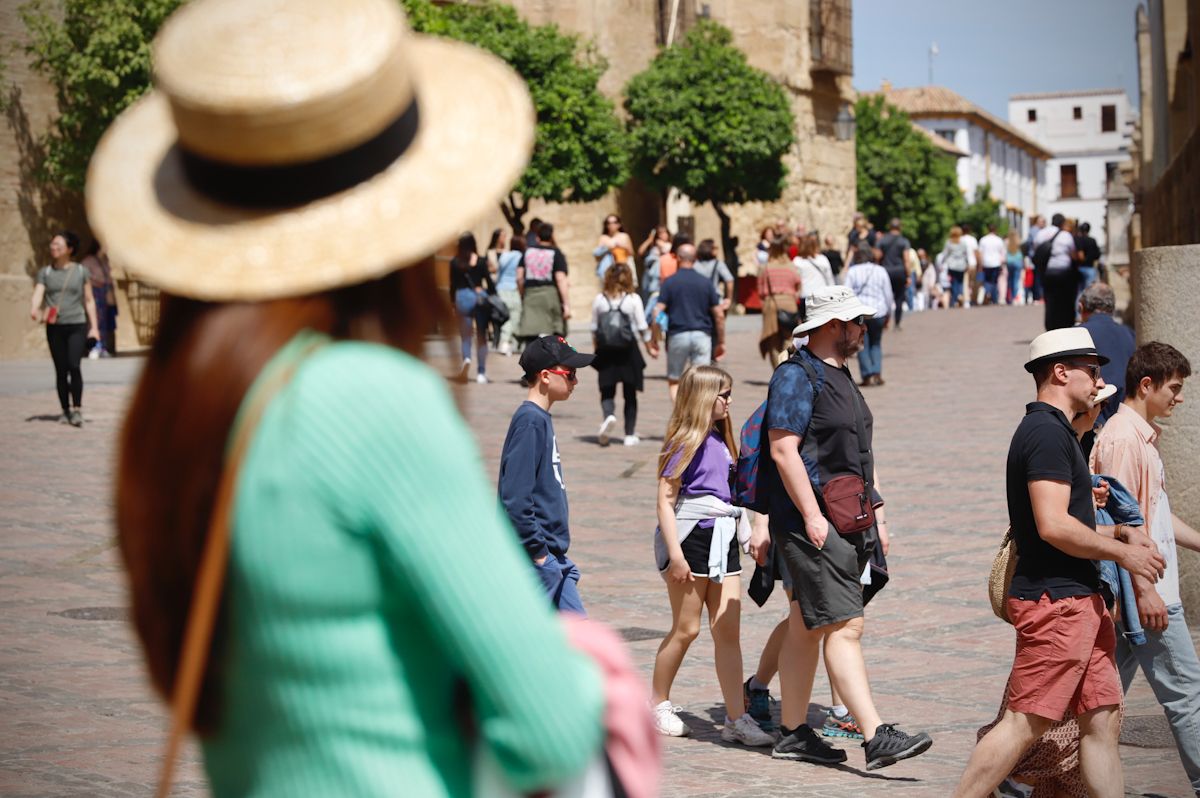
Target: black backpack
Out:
[614,331]
[1042,252]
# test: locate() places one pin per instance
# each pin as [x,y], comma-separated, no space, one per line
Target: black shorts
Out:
[695,551]
[826,582]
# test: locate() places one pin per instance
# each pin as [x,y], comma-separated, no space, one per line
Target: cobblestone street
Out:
[77,717]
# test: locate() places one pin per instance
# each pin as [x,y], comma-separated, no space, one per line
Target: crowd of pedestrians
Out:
[320,578]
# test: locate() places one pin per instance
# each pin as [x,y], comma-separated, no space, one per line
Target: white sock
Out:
[840,711]
[755,684]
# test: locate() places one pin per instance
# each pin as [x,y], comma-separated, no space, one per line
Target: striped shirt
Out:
[871,284]
[779,277]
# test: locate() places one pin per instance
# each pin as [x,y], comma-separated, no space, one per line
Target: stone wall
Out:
[1164,275]
[28,215]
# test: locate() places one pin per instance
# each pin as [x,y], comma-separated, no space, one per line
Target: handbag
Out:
[52,311]
[785,319]
[206,597]
[1004,565]
[847,498]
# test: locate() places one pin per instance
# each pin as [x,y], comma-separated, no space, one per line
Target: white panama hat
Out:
[829,303]
[1062,344]
[293,146]
[1104,394]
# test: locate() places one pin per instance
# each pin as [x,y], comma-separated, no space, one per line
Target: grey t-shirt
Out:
[64,287]
[715,270]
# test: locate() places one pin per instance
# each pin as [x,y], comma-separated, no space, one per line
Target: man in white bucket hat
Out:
[1065,637]
[819,429]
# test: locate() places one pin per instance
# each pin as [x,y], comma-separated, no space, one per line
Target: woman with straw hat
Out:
[286,451]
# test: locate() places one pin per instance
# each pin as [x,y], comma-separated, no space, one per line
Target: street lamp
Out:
[843,126]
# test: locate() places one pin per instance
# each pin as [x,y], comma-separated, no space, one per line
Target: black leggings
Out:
[609,407]
[67,344]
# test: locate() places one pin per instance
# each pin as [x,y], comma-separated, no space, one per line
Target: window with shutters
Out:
[1108,119]
[830,36]
[1069,188]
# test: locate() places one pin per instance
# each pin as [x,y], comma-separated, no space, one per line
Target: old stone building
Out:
[804,44]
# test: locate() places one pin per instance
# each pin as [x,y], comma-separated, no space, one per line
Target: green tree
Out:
[702,120]
[97,58]
[984,211]
[901,173]
[581,150]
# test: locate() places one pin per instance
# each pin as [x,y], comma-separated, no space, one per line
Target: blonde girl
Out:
[696,549]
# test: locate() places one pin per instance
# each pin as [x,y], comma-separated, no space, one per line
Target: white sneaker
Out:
[606,427]
[94,353]
[745,731]
[506,349]
[482,379]
[667,721]
[632,440]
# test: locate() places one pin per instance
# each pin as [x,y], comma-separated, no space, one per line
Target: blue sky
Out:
[990,50]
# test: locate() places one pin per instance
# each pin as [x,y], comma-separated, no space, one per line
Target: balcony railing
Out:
[830,36]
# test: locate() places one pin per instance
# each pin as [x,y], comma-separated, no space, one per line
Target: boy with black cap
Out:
[531,482]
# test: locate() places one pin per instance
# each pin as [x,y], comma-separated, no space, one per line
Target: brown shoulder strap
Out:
[206,598]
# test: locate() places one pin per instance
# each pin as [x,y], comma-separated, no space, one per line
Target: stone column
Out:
[1165,282]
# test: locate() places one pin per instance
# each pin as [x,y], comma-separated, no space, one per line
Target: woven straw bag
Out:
[1004,565]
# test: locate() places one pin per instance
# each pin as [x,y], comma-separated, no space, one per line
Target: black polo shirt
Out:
[1045,447]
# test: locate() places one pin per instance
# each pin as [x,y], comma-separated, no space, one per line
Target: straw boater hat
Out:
[1061,344]
[293,146]
[829,303]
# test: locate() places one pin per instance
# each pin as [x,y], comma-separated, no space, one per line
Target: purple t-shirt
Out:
[708,473]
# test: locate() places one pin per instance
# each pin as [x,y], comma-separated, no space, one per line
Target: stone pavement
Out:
[76,717]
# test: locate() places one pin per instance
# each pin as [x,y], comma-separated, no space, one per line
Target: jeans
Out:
[471,318]
[1014,283]
[1168,659]
[560,578]
[991,284]
[956,288]
[690,347]
[1087,276]
[512,300]
[870,357]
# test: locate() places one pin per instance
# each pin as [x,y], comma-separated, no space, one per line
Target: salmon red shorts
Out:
[1064,660]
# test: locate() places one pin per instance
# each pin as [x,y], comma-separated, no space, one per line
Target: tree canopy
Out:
[702,120]
[984,211]
[97,58]
[581,150]
[902,174]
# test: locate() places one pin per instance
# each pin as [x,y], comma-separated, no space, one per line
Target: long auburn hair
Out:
[204,358]
[691,419]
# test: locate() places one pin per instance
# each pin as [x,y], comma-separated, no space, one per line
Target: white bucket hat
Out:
[829,303]
[1060,344]
[293,146]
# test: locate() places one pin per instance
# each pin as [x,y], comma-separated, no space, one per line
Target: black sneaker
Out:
[890,745]
[803,744]
[758,703]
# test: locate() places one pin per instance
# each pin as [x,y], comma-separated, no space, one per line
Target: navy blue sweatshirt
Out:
[531,484]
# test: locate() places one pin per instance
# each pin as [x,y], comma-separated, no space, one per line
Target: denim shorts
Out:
[693,347]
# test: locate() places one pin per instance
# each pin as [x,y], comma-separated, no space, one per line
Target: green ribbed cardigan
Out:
[372,570]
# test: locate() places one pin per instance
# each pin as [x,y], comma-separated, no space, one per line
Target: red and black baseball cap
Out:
[550,351]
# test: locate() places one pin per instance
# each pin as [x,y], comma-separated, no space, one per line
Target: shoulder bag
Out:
[786,320]
[847,498]
[1004,565]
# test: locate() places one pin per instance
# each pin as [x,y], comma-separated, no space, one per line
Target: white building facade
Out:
[1089,134]
[994,153]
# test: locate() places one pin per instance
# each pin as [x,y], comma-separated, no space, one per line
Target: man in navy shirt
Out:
[1114,341]
[695,319]
[531,478]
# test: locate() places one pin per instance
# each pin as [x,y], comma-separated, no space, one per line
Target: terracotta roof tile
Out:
[924,102]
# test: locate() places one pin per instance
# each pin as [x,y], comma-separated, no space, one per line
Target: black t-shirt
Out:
[1044,447]
[828,429]
[1090,249]
[690,298]
[540,263]
[835,260]
[467,276]
[893,247]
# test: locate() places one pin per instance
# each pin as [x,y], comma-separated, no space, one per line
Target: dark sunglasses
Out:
[1092,369]
[725,397]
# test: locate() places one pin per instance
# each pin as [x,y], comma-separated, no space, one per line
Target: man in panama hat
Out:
[1065,637]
